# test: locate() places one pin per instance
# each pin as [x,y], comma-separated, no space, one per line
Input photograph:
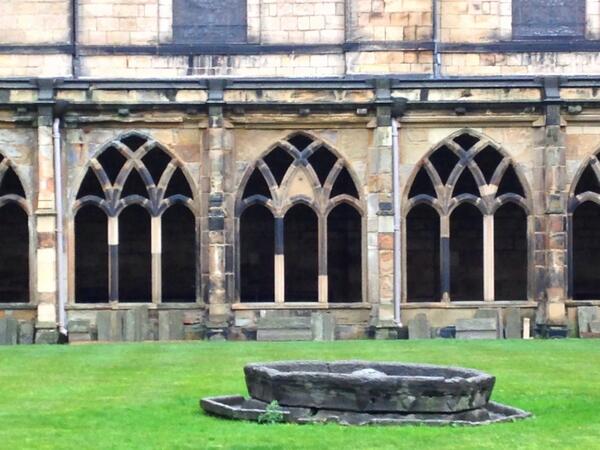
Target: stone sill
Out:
[469,305]
[17,306]
[582,302]
[125,306]
[298,305]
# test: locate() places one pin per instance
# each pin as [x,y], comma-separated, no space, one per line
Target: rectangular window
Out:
[548,19]
[209,21]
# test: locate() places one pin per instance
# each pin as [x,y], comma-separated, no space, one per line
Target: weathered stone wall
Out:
[34,22]
[475,20]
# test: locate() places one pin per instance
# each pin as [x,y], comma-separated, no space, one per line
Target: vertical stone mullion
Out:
[279,261]
[323,278]
[113,259]
[156,246]
[488,258]
[445,257]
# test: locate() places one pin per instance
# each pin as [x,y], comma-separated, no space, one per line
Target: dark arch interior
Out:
[134,185]
[510,253]
[134,141]
[466,141]
[278,161]
[14,254]
[344,184]
[257,250]
[178,185]
[178,255]
[256,185]
[587,182]
[135,262]
[510,183]
[156,161]
[466,184]
[444,160]
[11,184]
[301,248]
[488,160]
[586,252]
[466,253]
[300,141]
[91,255]
[423,254]
[344,254]
[422,185]
[90,185]
[322,161]
[112,161]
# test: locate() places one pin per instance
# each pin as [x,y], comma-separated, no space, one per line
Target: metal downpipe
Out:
[60,244]
[397,236]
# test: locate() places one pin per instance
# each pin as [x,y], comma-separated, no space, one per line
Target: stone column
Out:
[488,258]
[380,219]
[552,310]
[219,146]
[45,215]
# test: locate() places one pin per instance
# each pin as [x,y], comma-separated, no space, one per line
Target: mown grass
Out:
[146,395]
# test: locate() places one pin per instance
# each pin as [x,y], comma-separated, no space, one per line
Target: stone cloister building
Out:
[234,160]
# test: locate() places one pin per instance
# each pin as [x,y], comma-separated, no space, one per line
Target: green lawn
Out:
[146,395]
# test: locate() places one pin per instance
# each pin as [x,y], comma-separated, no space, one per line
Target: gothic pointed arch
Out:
[467,179]
[135,212]
[315,203]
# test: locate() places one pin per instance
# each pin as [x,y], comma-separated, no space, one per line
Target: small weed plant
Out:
[272,414]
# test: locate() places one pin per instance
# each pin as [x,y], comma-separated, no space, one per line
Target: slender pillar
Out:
[445,257]
[113,259]
[156,238]
[488,258]
[323,279]
[279,261]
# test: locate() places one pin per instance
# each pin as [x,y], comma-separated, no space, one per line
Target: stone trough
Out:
[360,393]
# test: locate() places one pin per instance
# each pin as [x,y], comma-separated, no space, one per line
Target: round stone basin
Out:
[369,386]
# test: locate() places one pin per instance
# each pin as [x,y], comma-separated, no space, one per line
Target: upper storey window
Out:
[209,21]
[548,19]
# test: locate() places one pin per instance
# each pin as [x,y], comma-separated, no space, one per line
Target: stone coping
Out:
[239,408]
[298,305]
[127,306]
[363,386]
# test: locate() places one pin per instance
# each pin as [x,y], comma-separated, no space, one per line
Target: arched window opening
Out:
[178,185]
[466,141]
[178,255]
[422,185]
[444,161]
[322,161]
[586,252]
[488,160]
[423,254]
[300,141]
[112,161]
[257,249]
[134,185]
[14,254]
[91,255]
[90,185]
[134,141]
[344,254]
[135,261]
[278,161]
[256,185]
[11,184]
[156,161]
[344,185]
[510,252]
[510,183]
[466,253]
[301,250]
[466,184]
[588,182]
